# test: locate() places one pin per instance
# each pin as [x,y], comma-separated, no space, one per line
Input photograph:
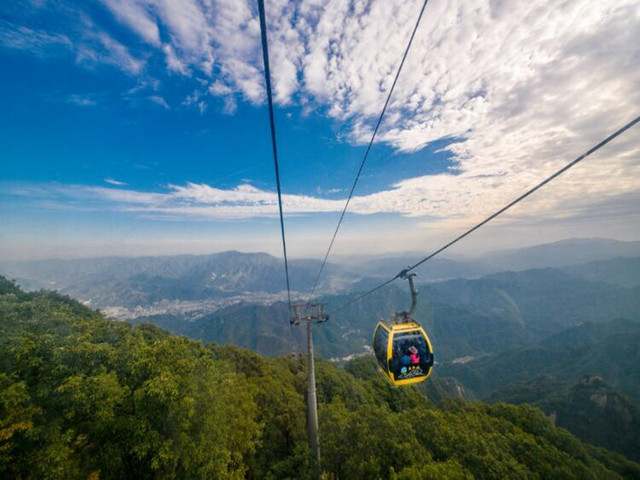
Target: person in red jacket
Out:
[413,355]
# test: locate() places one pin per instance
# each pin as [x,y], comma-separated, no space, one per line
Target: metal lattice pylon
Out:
[311,312]
[308,312]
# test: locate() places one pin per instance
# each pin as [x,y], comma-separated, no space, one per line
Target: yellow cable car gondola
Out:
[402,347]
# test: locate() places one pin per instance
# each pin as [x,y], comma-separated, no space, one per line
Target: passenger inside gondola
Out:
[414,356]
[410,358]
[405,358]
[404,354]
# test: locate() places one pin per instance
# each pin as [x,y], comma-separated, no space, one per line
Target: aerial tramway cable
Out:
[272,122]
[574,162]
[366,153]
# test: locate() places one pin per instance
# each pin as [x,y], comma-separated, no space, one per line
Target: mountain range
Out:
[565,338]
[464,317]
[561,254]
[143,281]
[85,397]
[238,298]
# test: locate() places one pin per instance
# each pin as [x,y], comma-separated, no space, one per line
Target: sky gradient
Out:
[140,126]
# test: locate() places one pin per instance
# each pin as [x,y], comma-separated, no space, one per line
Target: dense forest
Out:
[86,397]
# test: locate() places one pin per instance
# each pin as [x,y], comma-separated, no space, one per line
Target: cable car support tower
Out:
[310,313]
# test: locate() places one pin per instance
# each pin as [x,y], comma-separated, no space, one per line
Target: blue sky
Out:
[140,126]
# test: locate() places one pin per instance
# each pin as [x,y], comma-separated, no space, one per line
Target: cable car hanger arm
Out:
[414,293]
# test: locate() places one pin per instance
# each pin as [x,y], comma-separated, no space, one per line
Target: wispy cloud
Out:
[158,100]
[84,99]
[329,191]
[74,34]
[138,17]
[522,87]
[433,198]
[36,42]
[99,48]
[113,181]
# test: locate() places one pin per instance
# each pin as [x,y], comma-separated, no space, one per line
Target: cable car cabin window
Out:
[380,344]
[411,357]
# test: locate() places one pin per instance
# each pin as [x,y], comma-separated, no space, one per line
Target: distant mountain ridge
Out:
[142,281]
[548,298]
[464,316]
[490,334]
[563,253]
[623,271]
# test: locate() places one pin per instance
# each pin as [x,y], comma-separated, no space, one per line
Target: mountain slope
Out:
[617,271]
[545,300]
[588,408]
[562,254]
[142,281]
[84,397]
[593,332]
[614,358]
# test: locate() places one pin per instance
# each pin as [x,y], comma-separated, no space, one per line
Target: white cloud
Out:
[91,45]
[113,181]
[329,191]
[428,197]
[158,100]
[173,62]
[188,201]
[84,99]
[37,42]
[523,86]
[137,16]
[99,48]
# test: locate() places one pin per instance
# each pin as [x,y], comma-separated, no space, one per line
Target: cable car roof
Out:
[402,327]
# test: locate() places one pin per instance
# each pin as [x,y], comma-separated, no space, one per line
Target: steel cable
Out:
[366,153]
[559,172]
[272,122]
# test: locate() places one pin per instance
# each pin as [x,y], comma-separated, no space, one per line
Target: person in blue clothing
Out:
[405,359]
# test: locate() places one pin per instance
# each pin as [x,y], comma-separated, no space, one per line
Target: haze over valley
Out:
[196,285]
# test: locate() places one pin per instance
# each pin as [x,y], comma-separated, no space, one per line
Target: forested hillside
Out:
[86,397]
[589,408]
[492,314]
[586,377]
[614,356]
